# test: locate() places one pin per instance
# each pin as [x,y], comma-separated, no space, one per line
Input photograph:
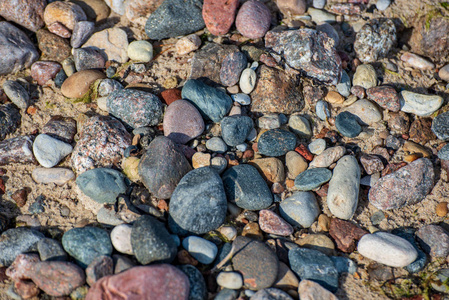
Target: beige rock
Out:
[58,176]
[318,242]
[118,6]
[365,76]
[138,11]
[291,7]
[334,98]
[96,10]
[309,290]
[327,157]
[413,147]
[66,13]
[296,164]
[188,44]
[417,61]
[130,168]
[113,42]
[300,125]
[271,169]
[286,279]
[366,110]
[200,159]
[252,230]
[324,222]
[77,85]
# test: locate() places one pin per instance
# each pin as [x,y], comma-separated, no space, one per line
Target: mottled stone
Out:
[161,281]
[406,186]
[87,59]
[43,71]
[51,250]
[112,42]
[345,234]
[16,241]
[102,185]
[66,13]
[327,157]
[59,29]
[309,51]
[138,11]
[198,289]
[312,179]
[385,96]
[57,278]
[271,293]
[276,142]
[219,15]
[257,263]
[375,40]
[10,120]
[58,176]
[151,242]
[16,49]
[235,129]
[232,67]
[182,122]
[271,169]
[253,19]
[100,267]
[175,18]
[417,61]
[421,132]
[17,93]
[366,112]
[300,209]
[371,163]
[78,84]
[271,223]
[276,91]
[28,14]
[434,240]
[198,203]
[440,126]
[81,33]
[53,47]
[22,267]
[188,44]
[61,128]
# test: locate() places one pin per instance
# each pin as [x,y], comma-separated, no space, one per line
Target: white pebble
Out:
[49,151]
[419,104]
[317,146]
[242,147]
[417,61]
[383,4]
[319,15]
[254,65]
[269,121]
[188,44]
[322,110]
[241,98]
[102,103]
[229,232]
[319,4]
[247,80]
[230,280]
[201,249]
[121,238]
[387,249]
[140,51]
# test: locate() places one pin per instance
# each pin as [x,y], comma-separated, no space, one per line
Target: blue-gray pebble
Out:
[198,204]
[344,264]
[444,152]
[16,241]
[276,142]
[198,290]
[312,178]
[246,188]
[300,209]
[421,261]
[212,103]
[102,185]
[51,250]
[86,243]
[440,126]
[227,294]
[175,18]
[313,265]
[151,241]
[235,129]
[347,124]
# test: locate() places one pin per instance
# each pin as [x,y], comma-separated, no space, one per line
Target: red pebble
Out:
[304,152]
[171,95]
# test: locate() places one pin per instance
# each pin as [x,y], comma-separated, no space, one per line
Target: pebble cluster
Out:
[244,180]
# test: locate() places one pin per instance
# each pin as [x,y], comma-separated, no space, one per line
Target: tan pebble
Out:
[372,229]
[412,157]
[441,209]
[289,183]
[324,222]
[130,168]
[77,85]
[170,83]
[417,61]
[351,99]
[67,13]
[200,159]
[412,147]
[252,230]
[233,89]
[188,44]
[235,111]
[334,98]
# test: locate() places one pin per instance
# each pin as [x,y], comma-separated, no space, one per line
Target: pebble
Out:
[61,128]
[102,142]
[247,80]
[434,240]
[347,124]
[438,280]
[292,48]
[235,129]
[171,20]
[276,142]
[219,15]
[113,42]
[160,281]
[68,65]
[43,71]
[108,216]
[253,19]
[269,121]
[387,248]
[309,289]
[117,6]
[327,157]
[182,122]
[375,40]
[271,169]
[319,4]
[295,164]
[17,94]
[188,44]
[198,289]
[366,111]
[344,86]
[87,59]
[421,260]
[200,159]
[371,163]
[107,86]
[151,242]
[300,126]
[257,263]
[66,13]
[271,293]
[59,29]
[25,13]
[102,185]
[382,4]
[319,16]
[58,278]
[385,96]
[53,47]
[276,92]
[443,153]
[86,243]
[344,265]
[136,108]
[230,280]
[81,33]
[406,186]
[300,209]
[16,241]
[444,73]
[50,151]
[216,144]
[417,61]
[322,110]
[191,208]
[312,179]
[292,8]
[232,67]
[440,126]
[271,223]
[317,146]
[140,51]
[17,51]
[242,99]
[100,267]
[245,187]
[343,193]
[78,84]
[58,176]
[60,78]
[365,76]
[419,104]
[212,103]
[22,267]
[51,250]
[318,242]
[202,250]
[313,265]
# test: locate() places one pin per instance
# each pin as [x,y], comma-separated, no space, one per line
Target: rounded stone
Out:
[201,249]
[51,250]
[81,33]
[420,104]
[17,94]
[151,241]
[347,124]
[253,19]
[320,242]
[366,112]
[317,146]
[300,209]
[182,122]
[295,163]
[140,51]
[375,40]
[312,179]
[50,151]
[231,68]
[87,59]
[327,157]
[245,187]
[112,42]
[276,142]
[198,289]
[440,126]
[230,280]
[86,243]
[188,44]
[16,241]
[309,289]
[443,153]
[434,240]
[235,129]
[300,125]
[247,80]
[365,76]
[78,84]
[102,185]
[121,238]
[387,248]
[271,223]
[66,13]
[58,176]
[216,144]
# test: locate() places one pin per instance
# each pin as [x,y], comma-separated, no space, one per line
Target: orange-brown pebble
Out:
[324,222]
[441,209]
[302,149]
[20,197]
[31,110]
[184,258]
[289,183]
[162,205]
[412,157]
[334,98]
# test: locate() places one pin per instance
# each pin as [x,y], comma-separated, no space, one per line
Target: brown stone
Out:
[441,209]
[271,169]
[160,281]
[270,222]
[399,122]
[96,10]
[61,128]
[138,11]
[291,8]
[219,15]
[385,96]
[43,71]
[313,94]
[20,197]
[100,267]
[26,289]
[421,132]
[334,98]
[77,85]
[276,92]
[324,222]
[66,13]
[252,230]
[53,47]
[28,14]
[371,163]
[184,258]
[345,234]
[318,242]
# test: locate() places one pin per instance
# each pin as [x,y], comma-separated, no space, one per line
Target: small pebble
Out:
[17,94]
[347,124]
[419,104]
[417,61]
[247,81]
[317,146]
[300,126]
[49,151]
[230,280]
[383,4]
[202,250]
[365,76]
[140,51]
[271,223]
[300,209]
[312,179]
[319,15]
[81,33]
[444,73]
[121,238]
[253,19]
[319,4]
[217,145]
[322,110]
[187,44]
[441,209]
[241,98]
